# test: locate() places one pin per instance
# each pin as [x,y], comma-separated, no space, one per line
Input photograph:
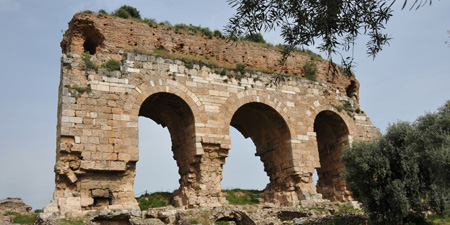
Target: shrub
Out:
[122,13]
[112,65]
[218,34]
[258,38]
[102,12]
[88,63]
[150,22]
[126,11]
[309,71]
[241,68]
[207,32]
[405,172]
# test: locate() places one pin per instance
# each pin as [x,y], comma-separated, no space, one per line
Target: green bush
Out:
[405,172]
[126,11]
[207,32]
[310,70]
[112,65]
[258,38]
[122,13]
[241,68]
[150,22]
[87,59]
[218,34]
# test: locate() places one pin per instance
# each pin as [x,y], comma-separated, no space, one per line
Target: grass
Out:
[24,218]
[438,220]
[72,221]
[155,200]
[242,197]
[80,90]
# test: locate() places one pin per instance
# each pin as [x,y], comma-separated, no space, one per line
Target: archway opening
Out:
[270,135]
[242,169]
[332,135]
[168,110]
[158,171]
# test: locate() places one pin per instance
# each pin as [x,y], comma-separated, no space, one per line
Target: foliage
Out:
[309,71]
[242,197]
[438,220]
[150,22]
[218,34]
[112,65]
[405,172]
[241,68]
[191,29]
[258,38]
[25,218]
[88,63]
[80,90]
[126,11]
[155,200]
[336,23]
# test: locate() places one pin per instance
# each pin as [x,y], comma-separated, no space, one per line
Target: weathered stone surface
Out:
[297,126]
[15,205]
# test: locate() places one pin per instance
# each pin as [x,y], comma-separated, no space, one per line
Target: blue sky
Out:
[407,79]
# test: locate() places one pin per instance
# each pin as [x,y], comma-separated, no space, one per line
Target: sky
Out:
[407,79]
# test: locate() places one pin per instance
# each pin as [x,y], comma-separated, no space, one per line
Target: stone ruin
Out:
[297,125]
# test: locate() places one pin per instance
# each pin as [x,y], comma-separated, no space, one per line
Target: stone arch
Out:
[173,112]
[173,106]
[332,134]
[264,119]
[235,101]
[268,131]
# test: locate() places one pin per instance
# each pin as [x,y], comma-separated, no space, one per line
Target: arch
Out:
[167,86]
[332,134]
[234,102]
[270,134]
[171,111]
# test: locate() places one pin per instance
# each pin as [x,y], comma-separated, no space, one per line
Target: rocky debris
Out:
[317,213]
[14,205]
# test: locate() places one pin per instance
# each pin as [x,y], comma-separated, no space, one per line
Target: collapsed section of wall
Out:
[297,126]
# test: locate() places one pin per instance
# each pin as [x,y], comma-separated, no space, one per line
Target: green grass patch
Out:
[155,200]
[438,220]
[24,219]
[242,197]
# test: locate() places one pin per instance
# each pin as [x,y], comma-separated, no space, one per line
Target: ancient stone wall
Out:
[297,126]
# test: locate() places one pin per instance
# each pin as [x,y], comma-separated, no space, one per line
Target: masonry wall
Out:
[97,131]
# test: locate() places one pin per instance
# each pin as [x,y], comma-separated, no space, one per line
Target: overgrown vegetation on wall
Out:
[129,12]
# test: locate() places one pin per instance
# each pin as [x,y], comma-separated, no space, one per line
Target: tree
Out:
[405,172]
[337,22]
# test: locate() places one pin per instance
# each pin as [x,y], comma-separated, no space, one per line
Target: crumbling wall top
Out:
[109,35]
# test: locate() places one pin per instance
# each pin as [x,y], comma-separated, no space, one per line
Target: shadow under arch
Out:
[271,136]
[173,112]
[332,135]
